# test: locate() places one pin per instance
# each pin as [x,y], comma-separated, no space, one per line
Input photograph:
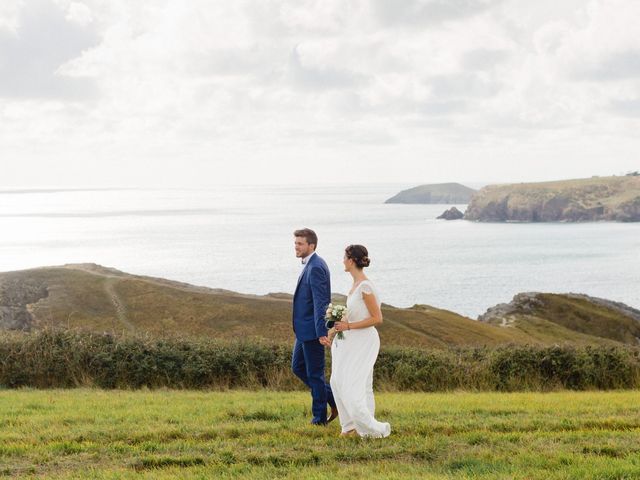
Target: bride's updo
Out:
[359,254]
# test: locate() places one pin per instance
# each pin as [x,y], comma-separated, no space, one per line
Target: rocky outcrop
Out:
[452,214]
[522,303]
[439,193]
[15,298]
[567,316]
[584,200]
[532,302]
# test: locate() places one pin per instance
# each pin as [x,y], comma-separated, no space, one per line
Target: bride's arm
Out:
[331,334]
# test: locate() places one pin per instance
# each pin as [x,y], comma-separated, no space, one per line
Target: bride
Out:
[353,356]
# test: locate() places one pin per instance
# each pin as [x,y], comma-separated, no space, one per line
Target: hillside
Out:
[439,193]
[547,316]
[94,298]
[581,200]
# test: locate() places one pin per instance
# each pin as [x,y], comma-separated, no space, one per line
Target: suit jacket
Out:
[310,300]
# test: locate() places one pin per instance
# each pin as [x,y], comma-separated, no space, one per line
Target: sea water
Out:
[240,238]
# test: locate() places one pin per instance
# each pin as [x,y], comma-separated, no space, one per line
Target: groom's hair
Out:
[309,235]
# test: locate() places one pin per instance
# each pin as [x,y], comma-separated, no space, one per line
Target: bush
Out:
[66,359]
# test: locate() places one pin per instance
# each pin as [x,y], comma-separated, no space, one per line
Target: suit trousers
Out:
[307,364]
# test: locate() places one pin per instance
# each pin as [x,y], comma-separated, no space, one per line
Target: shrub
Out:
[66,359]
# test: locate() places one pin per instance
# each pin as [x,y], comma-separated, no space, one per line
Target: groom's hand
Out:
[324,341]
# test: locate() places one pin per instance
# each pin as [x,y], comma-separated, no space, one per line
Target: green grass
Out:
[184,434]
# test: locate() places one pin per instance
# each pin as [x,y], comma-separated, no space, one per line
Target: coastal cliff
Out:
[581,200]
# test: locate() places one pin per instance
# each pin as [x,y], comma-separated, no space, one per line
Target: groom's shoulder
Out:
[320,261]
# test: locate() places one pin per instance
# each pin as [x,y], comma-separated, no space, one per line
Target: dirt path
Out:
[118,304]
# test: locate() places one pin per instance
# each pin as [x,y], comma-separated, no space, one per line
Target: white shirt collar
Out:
[306,259]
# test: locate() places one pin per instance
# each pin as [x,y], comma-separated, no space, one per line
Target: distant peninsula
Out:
[438,193]
[614,199]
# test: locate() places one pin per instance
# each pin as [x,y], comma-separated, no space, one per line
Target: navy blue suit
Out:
[310,301]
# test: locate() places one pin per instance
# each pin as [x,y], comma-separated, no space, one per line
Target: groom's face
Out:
[303,248]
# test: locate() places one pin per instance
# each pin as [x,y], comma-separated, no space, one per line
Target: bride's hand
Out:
[341,326]
[328,340]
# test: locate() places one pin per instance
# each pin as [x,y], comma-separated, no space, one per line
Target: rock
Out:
[15,318]
[452,214]
[522,303]
[15,298]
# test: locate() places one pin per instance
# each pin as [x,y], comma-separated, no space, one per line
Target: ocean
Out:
[240,238]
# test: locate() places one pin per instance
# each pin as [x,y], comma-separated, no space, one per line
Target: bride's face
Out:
[347,262]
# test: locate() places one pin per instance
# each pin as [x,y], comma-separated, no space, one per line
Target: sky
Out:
[121,93]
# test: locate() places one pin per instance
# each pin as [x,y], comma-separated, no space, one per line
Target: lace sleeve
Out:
[367,289]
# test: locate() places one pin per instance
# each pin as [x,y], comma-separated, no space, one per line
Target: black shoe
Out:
[334,414]
[319,424]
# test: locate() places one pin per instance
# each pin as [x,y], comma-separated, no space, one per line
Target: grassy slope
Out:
[440,328]
[90,299]
[103,300]
[588,192]
[168,434]
[545,332]
[581,315]
[84,299]
[561,318]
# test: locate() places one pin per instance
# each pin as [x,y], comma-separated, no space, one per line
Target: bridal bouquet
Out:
[335,314]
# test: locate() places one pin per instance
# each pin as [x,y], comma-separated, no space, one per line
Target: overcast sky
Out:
[203,92]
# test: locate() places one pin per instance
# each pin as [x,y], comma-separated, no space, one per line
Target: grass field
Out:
[85,433]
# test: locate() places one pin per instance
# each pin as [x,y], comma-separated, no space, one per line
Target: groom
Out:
[310,301]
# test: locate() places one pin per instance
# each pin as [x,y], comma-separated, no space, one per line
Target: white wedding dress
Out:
[352,360]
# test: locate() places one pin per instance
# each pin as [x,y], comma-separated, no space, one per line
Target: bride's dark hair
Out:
[359,254]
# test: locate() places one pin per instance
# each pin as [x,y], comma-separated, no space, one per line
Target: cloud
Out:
[463,85]
[321,78]
[483,59]
[616,66]
[428,12]
[205,89]
[439,107]
[601,46]
[79,13]
[233,61]
[627,108]
[31,57]
[9,10]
